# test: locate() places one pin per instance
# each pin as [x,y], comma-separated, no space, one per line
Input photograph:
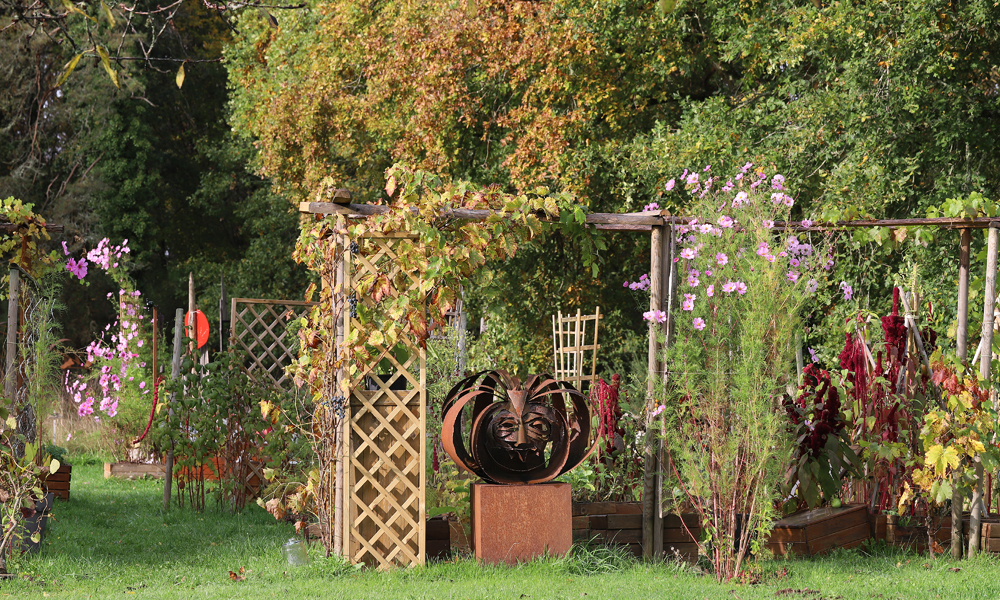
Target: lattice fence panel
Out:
[260,328]
[574,347]
[385,427]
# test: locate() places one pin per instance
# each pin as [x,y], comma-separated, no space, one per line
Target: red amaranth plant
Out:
[609,412]
[883,425]
[819,465]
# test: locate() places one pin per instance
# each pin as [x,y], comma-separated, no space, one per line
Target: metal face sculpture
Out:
[516,433]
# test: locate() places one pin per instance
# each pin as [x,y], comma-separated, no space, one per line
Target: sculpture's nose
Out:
[522,435]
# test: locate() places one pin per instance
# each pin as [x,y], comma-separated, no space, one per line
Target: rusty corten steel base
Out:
[515,523]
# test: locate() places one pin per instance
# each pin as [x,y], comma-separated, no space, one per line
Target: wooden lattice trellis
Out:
[570,347]
[259,328]
[384,478]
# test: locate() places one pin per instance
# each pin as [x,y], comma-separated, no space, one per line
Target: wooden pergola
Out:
[663,292]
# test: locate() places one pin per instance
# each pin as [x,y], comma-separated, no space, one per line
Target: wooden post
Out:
[10,365]
[223,313]
[175,372]
[962,335]
[650,455]
[191,316]
[339,303]
[985,359]
[963,295]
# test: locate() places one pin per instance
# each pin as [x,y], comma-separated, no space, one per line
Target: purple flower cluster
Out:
[698,255]
[641,285]
[114,354]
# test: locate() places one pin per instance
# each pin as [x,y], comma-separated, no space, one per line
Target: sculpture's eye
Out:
[507,426]
[539,427]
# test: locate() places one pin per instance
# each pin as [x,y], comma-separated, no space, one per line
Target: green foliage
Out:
[213,412]
[956,436]
[19,482]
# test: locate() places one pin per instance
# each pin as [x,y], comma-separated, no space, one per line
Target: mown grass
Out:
[113,540]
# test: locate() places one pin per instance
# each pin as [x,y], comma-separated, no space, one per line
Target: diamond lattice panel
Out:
[260,328]
[384,490]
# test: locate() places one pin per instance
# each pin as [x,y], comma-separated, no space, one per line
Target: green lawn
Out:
[113,540]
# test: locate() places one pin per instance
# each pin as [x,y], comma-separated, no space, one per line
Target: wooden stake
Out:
[194,322]
[650,462]
[338,485]
[975,526]
[175,372]
[962,338]
[10,365]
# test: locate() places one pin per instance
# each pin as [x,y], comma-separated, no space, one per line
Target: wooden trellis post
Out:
[975,521]
[661,292]
[384,479]
[962,342]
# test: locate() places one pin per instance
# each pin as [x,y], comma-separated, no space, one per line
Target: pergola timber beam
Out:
[644,221]
[11,228]
[613,221]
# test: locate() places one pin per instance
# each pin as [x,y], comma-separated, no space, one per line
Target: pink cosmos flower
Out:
[78,268]
[729,287]
[741,287]
[693,279]
[689,253]
[688,303]
[670,185]
[692,179]
[725,222]
[721,258]
[768,224]
[762,249]
[793,276]
[807,223]
[710,291]
[698,323]
[740,199]
[655,316]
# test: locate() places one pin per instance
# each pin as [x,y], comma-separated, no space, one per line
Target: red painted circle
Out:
[201,325]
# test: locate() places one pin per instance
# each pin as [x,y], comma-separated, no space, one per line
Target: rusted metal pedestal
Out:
[512,523]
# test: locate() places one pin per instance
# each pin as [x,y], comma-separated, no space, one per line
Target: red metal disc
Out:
[201,325]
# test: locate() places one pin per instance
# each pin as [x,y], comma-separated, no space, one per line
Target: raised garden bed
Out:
[912,532]
[438,538]
[128,470]
[620,523]
[820,530]
[58,482]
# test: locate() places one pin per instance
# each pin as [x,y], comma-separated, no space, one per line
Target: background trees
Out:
[878,108]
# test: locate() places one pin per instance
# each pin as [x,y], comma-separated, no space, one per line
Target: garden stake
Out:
[175,372]
[649,455]
[975,524]
[962,336]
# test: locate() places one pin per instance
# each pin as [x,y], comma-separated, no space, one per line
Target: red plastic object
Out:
[201,324]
